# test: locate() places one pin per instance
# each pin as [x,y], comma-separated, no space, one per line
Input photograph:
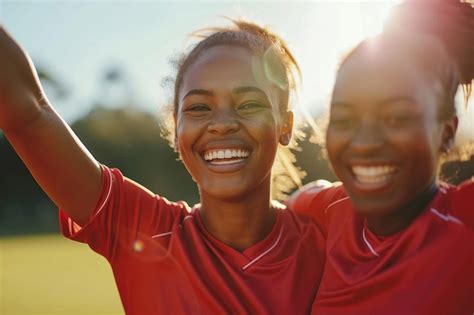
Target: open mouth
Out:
[225,156]
[372,177]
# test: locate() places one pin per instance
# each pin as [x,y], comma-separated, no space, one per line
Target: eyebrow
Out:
[238,90]
[345,104]
[247,89]
[395,99]
[198,92]
[389,100]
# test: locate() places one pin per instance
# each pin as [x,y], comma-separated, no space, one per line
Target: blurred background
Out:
[106,67]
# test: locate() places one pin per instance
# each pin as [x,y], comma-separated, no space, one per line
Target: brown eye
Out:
[197,108]
[399,119]
[342,121]
[251,107]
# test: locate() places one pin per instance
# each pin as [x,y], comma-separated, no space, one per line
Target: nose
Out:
[224,121]
[368,138]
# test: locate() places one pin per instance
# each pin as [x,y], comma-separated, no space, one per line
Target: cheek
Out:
[418,148]
[335,141]
[429,146]
[262,124]
[265,132]
[186,134]
[421,142]
[180,136]
[269,131]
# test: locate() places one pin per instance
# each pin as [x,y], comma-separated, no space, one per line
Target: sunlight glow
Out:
[335,34]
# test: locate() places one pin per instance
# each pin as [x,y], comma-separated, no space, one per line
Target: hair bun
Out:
[451,21]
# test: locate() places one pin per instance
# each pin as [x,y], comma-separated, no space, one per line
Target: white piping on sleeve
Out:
[73,226]
[334,203]
[108,192]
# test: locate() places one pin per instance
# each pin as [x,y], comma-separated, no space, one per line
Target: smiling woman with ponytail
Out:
[399,240]
[237,251]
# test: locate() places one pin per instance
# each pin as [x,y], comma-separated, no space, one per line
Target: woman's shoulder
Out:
[130,195]
[316,200]
[461,201]
[316,196]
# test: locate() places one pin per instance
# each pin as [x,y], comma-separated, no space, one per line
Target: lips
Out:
[373,177]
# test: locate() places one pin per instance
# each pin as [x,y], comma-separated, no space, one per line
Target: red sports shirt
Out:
[165,262]
[426,269]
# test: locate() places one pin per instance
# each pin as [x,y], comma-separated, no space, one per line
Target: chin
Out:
[370,206]
[224,192]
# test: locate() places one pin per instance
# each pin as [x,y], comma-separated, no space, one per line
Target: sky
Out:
[77,41]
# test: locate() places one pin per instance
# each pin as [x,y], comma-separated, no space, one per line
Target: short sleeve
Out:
[125,212]
[314,198]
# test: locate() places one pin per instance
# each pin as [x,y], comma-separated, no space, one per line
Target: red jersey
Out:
[165,262]
[426,269]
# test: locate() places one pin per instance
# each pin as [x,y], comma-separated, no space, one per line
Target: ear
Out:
[450,127]
[287,128]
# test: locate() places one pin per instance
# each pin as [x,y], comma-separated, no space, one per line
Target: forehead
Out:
[377,72]
[224,67]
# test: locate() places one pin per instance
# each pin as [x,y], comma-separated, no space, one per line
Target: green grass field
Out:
[52,275]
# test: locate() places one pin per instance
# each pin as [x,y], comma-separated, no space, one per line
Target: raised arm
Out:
[56,158]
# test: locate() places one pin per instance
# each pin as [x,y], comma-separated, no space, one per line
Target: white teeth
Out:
[225,154]
[373,174]
[373,170]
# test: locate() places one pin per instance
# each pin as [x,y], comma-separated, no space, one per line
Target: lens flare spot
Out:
[138,246]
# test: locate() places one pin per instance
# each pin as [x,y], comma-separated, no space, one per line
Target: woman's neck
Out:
[238,223]
[399,219]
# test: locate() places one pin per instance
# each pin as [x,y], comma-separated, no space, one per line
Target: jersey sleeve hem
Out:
[69,228]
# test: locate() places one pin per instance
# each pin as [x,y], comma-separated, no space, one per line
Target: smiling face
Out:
[385,135]
[228,123]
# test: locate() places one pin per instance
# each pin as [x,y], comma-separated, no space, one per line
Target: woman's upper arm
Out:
[60,163]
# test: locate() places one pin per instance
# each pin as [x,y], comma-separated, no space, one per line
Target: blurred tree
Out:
[123,138]
[313,160]
[115,88]
[24,208]
[130,140]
